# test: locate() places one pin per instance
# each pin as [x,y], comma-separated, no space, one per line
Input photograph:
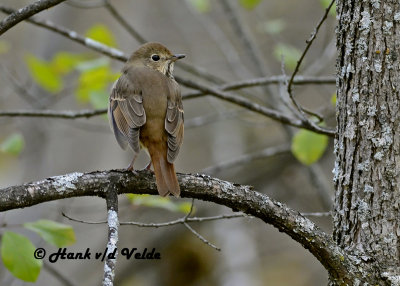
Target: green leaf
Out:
[159,202]
[13,144]
[55,233]
[325,4]
[249,4]
[92,80]
[333,100]
[4,47]
[201,6]
[43,74]
[273,27]
[102,34]
[64,62]
[308,146]
[17,253]
[291,55]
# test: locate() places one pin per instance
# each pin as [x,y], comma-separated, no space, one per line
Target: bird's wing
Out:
[125,111]
[174,122]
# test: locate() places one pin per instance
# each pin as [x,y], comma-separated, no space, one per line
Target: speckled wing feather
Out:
[174,122]
[126,112]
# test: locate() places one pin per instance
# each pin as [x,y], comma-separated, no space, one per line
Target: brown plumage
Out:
[146,111]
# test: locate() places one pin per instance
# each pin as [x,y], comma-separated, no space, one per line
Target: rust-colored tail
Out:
[165,174]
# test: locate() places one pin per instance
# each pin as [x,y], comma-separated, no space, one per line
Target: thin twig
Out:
[164,224]
[309,43]
[138,37]
[252,52]
[198,235]
[54,114]
[121,20]
[298,80]
[271,113]
[114,53]
[201,237]
[74,36]
[26,12]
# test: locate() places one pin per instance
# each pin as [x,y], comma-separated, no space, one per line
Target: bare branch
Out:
[163,224]
[121,20]
[201,237]
[309,43]
[252,52]
[74,36]
[114,53]
[184,220]
[26,12]
[271,113]
[54,114]
[237,197]
[112,221]
[298,80]
[138,37]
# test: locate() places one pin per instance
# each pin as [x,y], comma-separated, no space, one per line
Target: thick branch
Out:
[237,197]
[25,13]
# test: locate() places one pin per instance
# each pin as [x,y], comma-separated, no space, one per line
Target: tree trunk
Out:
[366,174]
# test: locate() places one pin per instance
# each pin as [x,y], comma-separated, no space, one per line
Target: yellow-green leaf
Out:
[65,62]
[13,144]
[55,233]
[159,202]
[249,4]
[43,74]
[308,146]
[333,100]
[102,34]
[92,80]
[17,253]
[325,4]
[200,5]
[290,54]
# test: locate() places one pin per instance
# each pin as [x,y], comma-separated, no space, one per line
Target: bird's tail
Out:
[165,175]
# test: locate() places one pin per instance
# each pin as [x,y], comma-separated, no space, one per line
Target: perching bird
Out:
[145,111]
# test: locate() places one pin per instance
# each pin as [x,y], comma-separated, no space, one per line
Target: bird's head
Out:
[157,57]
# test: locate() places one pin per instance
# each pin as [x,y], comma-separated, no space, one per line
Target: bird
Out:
[145,111]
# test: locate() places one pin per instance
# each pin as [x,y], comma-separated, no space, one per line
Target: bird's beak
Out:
[176,57]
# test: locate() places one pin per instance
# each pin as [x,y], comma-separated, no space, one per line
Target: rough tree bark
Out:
[366,215]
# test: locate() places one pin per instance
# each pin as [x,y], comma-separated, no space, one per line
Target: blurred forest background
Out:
[40,69]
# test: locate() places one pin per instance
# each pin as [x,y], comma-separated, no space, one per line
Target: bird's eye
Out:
[155,57]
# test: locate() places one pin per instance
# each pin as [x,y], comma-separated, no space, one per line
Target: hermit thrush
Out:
[145,111]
